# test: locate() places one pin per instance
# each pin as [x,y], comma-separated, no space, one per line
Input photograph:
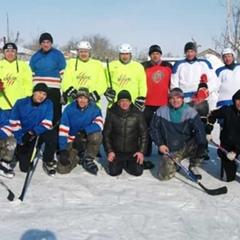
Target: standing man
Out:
[229,76]
[158,74]
[177,128]
[125,136]
[15,78]
[80,133]
[31,117]
[84,72]
[48,66]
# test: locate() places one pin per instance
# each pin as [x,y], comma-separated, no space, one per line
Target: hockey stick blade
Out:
[11,195]
[213,192]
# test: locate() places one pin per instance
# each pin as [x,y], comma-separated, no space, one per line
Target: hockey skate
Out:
[6,170]
[50,167]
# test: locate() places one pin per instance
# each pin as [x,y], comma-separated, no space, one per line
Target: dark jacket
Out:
[125,131]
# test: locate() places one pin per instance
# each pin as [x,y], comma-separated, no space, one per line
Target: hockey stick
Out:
[109,75]
[10,193]
[213,192]
[223,150]
[30,169]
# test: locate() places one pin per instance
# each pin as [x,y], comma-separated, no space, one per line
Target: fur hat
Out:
[176,92]
[82,91]
[45,36]
[154,48]
[40,87]
[124,94]
[190,46]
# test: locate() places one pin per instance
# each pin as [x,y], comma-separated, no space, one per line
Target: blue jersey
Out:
[74,120]
[27,117]
[48,67]
[5,127]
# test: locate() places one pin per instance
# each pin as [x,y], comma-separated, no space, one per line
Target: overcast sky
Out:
[141,23]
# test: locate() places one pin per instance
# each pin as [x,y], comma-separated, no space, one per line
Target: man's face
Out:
[10,54]
[176,102]
[155,56]
[124,104]
[125,57]
[46,45]
[39,96]
[237,104]
[84,54]
[190,54]
[82,101]
[228,58]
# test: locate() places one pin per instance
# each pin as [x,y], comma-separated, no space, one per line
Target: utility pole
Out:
[8,34]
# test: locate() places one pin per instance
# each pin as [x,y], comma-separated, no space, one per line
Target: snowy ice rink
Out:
[82,206]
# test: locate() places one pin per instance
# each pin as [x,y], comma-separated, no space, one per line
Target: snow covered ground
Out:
[82,206]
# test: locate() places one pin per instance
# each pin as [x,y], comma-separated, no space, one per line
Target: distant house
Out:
[209,51]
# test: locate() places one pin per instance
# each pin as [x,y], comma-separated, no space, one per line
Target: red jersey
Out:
[158,83]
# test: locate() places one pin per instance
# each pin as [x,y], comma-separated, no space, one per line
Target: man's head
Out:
[84,50]
[176,98]
[125,53]
[236,100]
[124,99]
[46,41]
[155,53]
[228,56]
[40,92]
[190,49]
[83,97]
[10,51]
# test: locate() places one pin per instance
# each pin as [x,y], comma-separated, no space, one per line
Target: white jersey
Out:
[187,74]
[229,84]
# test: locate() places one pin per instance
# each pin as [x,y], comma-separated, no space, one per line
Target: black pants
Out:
[126,162]
[24,154]
[54,95]
[228,168]
[148,115]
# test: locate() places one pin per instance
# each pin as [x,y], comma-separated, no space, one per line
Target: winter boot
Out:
[50,167]
[90,166]
[81,157]
[193,170]
[6,170]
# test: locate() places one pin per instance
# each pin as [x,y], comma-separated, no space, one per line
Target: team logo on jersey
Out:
[123,80]
[157,76]
[82,78]
[9,79]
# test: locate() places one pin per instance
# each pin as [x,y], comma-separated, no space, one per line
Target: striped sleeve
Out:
[5,127]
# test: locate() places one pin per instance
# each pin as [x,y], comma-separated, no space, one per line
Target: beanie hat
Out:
[82,91]
[45,36]
[190,46]
[154,48]
[40,87]
[124,94]
[10,45]
[176,92]
[236,96]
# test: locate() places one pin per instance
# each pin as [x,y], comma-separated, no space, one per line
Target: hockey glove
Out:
[231,155]
[94,96]
[1,86]
[203,78]
[140,103]
[80,141]
[209,128]
[71,93]
[201,151]
[64,157]
[110,94]
[64,99]
[29,136]
[200,96]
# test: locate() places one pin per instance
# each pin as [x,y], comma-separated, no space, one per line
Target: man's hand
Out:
[231,155]
[111,156]
[140,157]
[163,149]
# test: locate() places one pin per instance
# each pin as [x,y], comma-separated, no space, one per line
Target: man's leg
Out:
[132,167]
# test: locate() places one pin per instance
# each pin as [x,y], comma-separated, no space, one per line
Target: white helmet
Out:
[125,48]
[227,51]
[84,45]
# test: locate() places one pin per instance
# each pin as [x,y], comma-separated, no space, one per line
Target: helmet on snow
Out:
[125,48]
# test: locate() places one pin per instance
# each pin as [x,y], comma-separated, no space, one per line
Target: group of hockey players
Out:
[174,107]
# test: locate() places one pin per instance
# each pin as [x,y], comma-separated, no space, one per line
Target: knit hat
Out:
[236,96]
[10,45]
[82,91]
[176,92]
[154,48]
[45,36]
[124,94]
[40,87]
[190,46]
